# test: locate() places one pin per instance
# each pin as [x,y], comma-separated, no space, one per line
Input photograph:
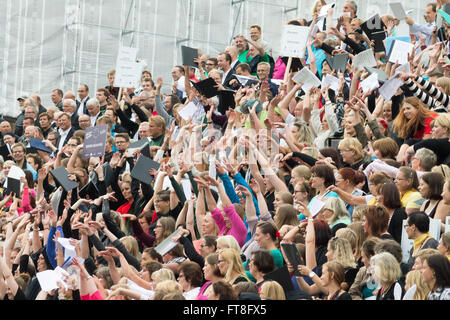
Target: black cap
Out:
[296,64]
[207,87]
[13,186]
[62,178]
[282,276]
[89,190]
[372,25]
[188,55]
[141,169]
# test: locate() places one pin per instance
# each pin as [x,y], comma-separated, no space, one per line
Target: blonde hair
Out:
[444,121]
[302,171]
[387,268]
[316,4]
[444,83]
[132,246]
[168,225]
[422,290]
[358,212]
[170,286]
[354,145]
[442,169]
[228,241]
[163,274]
[343,253]
[272,290]
[358,229]
[337,205]
[235,264]
[311,151]
[350,235]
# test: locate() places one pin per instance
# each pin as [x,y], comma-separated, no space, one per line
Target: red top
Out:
[425,129]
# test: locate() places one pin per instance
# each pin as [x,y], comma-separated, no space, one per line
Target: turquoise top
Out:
[277,257]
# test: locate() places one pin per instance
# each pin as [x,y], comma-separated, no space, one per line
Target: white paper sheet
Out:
[403,68]
[243,79]
[69,249]
[294,39]
[307,78]
[186,184]
[47,280]
[389,88]
[332,81]
[370,83]
[315,206]
[365,59]
[397,9]
[188,111]
[324,10]
[400,51]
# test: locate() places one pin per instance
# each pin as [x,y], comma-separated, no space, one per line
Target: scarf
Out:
[419,240]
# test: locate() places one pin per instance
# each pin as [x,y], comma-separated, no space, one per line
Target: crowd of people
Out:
[278,193]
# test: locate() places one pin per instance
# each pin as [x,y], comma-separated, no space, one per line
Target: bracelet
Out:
[311,274]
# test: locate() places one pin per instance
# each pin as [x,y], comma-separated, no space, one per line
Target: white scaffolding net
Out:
[49,44]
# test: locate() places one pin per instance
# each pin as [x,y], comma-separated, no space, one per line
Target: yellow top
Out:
[409,198]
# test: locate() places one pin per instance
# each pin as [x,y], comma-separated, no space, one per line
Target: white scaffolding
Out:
[48,44]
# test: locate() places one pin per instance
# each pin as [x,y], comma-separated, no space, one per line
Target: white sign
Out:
[400,51]
[447,224]
[294,39]
[332,81]
[370,83]
[307,78]
[365,59]
[128,70]
[315,206]
[397,9]
[390,87]
[407,244]
[188,111]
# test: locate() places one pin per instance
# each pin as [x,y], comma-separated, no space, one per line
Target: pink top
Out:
[238,229]
[200,295]
[279,70]
[26,207]
[95,296]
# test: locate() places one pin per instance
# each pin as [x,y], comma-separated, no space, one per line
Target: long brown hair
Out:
[405,127]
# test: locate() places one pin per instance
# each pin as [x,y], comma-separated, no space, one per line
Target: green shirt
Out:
[243,57]
[157,142]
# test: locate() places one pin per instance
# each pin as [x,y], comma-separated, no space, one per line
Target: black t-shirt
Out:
[172,213]
[270,198]
[440,147]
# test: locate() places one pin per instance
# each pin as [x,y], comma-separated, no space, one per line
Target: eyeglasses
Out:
[299,191]
[120,142]
[181,275]
[398,179]
[158,227]
[210,64]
